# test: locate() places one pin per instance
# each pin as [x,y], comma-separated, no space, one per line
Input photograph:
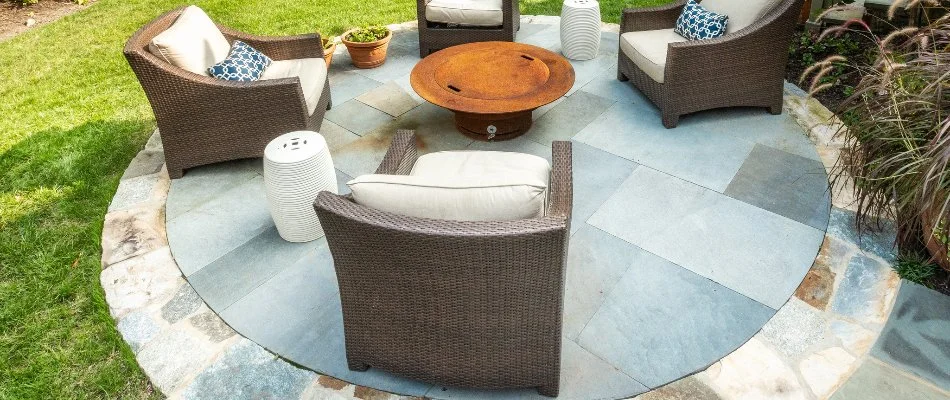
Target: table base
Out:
[493,127]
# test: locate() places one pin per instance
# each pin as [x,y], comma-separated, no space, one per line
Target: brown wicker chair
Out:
[461,303]
[204,120]
[437,36]
[743,68]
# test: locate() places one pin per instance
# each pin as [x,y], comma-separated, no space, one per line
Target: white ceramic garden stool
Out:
[297,166]
[580,29]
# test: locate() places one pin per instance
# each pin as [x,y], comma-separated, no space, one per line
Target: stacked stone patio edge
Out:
[814,342]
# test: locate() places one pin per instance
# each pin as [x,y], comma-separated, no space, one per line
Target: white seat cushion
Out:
[465,12]
[311,71]
[192,42]
[463,186]
[647,49]
[742,13]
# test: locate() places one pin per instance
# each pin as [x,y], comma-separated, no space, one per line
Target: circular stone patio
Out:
[684,242]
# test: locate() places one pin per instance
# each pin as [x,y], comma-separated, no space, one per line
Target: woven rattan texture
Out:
[204,120]
[434,37]
[461,303]
[743,68]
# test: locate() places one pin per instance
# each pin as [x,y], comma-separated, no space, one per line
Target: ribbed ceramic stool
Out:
[580,29]
[297,166]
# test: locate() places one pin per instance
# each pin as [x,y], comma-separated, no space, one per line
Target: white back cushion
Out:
[489,198]
[192,43]
[462,186]
[742,13]
[465,12]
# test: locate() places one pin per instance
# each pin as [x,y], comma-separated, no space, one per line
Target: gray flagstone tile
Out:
[754,124]
[234,275]
[528,30]
[435,131]
[789,185]
[357,117]
[201,184]
[700,156]
[335,135]
[588,70]
[876,380]
[583,376]
[567,118]
[218,226]
[662,322]
[752,251]
[389,98]
[597,175]
[606,85]
[596,261]
[297,314]
[915,337]
[396,65]
[347,84]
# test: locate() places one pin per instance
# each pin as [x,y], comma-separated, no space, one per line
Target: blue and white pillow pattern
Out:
[698,23]
[244,64]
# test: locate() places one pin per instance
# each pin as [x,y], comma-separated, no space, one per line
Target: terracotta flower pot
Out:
[328,52]
[369,54]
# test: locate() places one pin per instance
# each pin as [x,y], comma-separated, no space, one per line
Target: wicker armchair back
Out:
[435,36]
[204,120]
[743,68]
[461,303]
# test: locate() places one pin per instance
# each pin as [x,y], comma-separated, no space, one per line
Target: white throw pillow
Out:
[486,198]
[742,13]
[192,43]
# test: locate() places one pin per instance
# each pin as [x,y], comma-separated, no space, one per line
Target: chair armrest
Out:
[401,156]
[651,18]
[562,181]
[174,92]
[762,46]
[279,47]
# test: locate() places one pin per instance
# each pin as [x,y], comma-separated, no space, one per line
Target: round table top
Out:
[492,77]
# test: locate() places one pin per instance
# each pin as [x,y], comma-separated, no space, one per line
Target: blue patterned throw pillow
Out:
[244,64]
[698,23]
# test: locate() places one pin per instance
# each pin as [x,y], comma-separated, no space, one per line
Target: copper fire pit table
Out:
[492,86]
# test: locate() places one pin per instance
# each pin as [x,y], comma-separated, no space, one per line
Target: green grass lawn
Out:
[73,116]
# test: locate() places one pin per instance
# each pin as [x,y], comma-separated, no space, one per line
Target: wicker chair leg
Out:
[175,173]
[775,109]
[620,76]
[670,120]
[330,103]
[357,366]
[549,390]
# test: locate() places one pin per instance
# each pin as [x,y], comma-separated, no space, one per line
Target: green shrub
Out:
[366,35]
[916,268]
[23,3]
[897,130]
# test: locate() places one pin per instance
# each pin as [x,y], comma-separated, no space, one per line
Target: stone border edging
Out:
[807,350]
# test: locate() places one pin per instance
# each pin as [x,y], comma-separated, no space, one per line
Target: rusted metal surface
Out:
[492,86]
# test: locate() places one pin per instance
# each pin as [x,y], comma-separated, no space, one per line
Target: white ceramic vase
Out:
[297,166]
[580,29]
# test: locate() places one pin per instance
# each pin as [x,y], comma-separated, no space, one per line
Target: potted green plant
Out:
[897,134]
[329,46]
[367,46]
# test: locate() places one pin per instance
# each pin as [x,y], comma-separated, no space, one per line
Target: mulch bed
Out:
[13,17]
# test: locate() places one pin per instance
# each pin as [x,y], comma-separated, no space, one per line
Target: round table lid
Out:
[294,147]
[492,77]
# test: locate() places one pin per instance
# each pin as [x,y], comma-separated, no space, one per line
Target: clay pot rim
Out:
[380,42]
